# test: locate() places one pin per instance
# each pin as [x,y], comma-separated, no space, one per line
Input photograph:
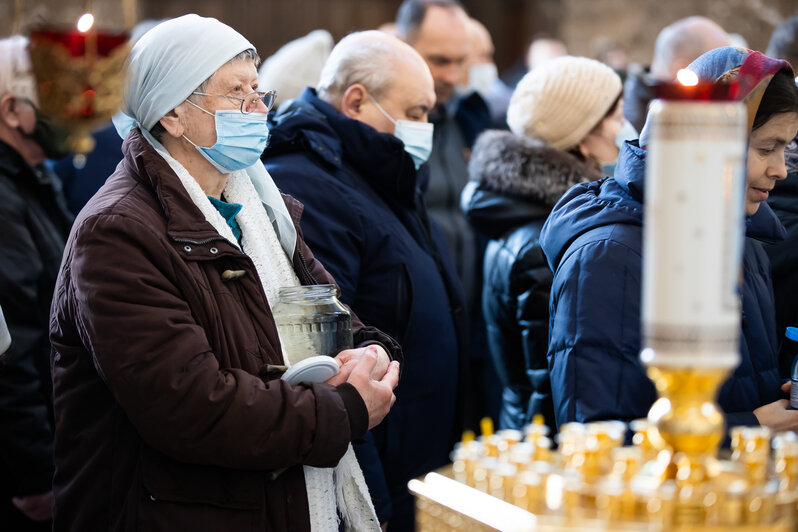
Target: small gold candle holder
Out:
[80,79]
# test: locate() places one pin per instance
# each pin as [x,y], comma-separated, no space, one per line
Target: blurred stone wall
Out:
[589,24]
[584,25]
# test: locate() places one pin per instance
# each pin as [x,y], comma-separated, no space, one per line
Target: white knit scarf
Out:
[334,491]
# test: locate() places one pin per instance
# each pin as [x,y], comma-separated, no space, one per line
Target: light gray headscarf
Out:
[166,65]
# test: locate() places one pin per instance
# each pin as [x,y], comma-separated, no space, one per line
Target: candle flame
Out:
[85,22]
[688,78]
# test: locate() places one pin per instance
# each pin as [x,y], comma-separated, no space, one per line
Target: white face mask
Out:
[482,77]
[416,136]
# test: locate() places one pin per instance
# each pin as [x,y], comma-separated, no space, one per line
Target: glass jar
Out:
[312,321]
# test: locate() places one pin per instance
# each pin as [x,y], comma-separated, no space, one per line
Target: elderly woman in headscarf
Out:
[593,243]
[168,416]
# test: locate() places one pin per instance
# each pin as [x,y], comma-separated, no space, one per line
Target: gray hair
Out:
[363,57]
[246,54]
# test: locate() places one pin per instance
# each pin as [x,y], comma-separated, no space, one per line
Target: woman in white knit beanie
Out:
[574,104]
[564,117]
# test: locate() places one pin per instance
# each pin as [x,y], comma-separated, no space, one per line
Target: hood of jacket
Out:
[515,180]
[619,199]
[337,140]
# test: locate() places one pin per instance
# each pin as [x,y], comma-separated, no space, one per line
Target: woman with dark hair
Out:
[593,242]
[564,118]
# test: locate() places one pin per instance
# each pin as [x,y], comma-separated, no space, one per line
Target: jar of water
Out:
[312,321]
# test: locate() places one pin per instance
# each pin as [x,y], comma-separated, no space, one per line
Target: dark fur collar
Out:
[526,168]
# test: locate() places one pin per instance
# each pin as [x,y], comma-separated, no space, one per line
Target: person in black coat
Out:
[35,224]
[337,151]
[563,132]
[515,181]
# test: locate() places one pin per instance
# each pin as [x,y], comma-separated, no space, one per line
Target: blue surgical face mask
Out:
[627,132]
[416,136]
[240,139]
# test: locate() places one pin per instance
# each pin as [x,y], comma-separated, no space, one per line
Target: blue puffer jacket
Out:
[593,242]
[366,223]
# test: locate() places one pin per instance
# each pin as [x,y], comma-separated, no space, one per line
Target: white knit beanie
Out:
[562,100]
[296,65]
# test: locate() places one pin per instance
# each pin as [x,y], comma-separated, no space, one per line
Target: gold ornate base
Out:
[685,419]
[82,88]
[443,504]
[670,480]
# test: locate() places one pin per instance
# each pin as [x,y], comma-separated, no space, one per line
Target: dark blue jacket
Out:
[593,242]
[366,224]
[80,184]
[35,224]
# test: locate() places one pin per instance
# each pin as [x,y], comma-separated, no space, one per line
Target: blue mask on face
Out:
[627,132]
[416,136]
[240,139]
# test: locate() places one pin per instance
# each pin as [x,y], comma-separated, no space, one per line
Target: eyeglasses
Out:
[249,103]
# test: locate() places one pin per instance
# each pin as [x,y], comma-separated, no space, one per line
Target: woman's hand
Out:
[359,370]
[349,358]
[778,416]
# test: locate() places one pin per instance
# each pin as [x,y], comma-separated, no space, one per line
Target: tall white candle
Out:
[693,234]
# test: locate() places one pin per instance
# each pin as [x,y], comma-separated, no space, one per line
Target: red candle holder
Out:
[80,78]
[701,91]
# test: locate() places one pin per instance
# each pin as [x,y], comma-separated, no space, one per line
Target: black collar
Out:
[13,165]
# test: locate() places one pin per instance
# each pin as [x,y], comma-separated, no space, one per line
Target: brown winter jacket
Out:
[166,416]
